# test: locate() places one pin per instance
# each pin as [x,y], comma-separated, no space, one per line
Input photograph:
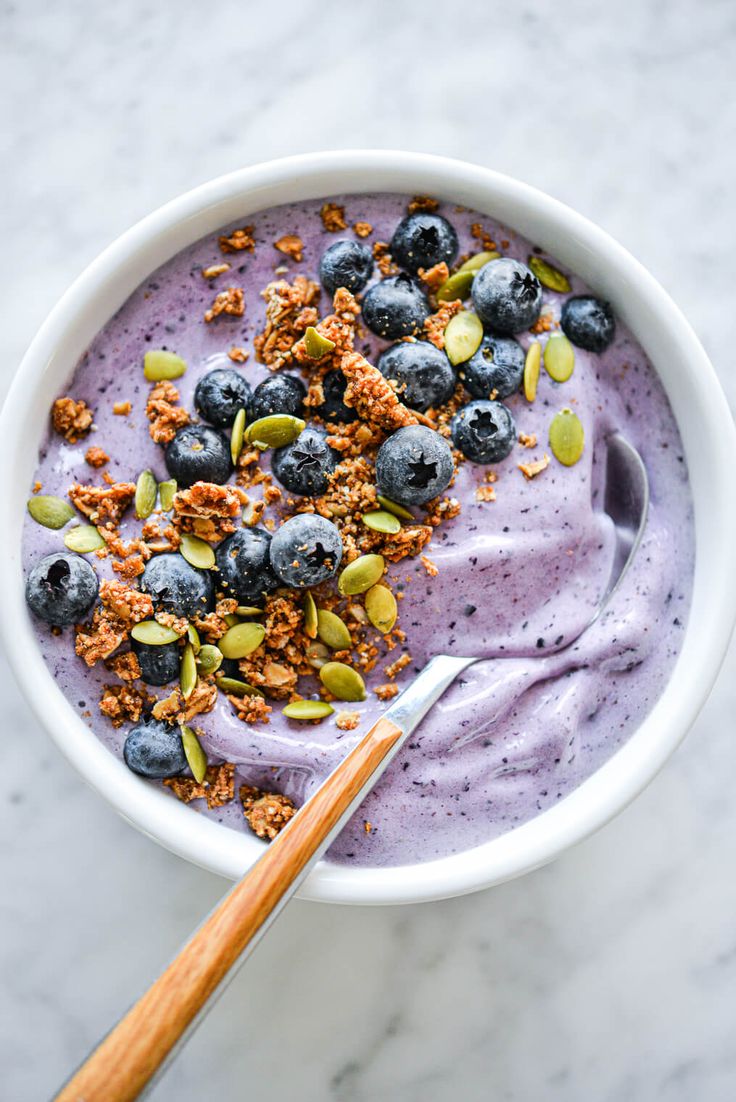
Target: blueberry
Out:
[423,240]
[497,365]
[507,296]
[154,749]
[220,394]
[177,587]
[484,432]
[395,307]
[424,373]
[304,467]
[159,665]
[198,454]
[245,566]
[278,394]
[345,264]
[61,588]
[588,322]
[306,550]
[333,408]
[414,465]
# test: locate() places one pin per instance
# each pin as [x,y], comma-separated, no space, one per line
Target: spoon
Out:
[137,1049]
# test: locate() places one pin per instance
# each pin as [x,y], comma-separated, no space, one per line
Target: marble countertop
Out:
[609,975]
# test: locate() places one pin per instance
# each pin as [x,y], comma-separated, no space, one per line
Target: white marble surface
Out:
[608,976]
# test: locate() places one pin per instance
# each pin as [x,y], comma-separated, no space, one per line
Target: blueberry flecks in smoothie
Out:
[507,563]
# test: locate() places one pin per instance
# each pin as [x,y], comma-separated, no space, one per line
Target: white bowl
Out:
[703,417]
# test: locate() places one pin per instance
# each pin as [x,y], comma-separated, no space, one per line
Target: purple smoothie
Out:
[517,575]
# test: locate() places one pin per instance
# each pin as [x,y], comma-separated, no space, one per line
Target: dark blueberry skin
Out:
[304,467]
[159,665]
[278,394]
[177,587]
[395,307]
[423,240]
[497,365]
[333,408]
[220,394]
[588,322]
[153,749]
[306,550]
[345,264]
[507,296]
[61,588]
[198,454]
[424,373]
[414,465]
[485,432]
[244,564]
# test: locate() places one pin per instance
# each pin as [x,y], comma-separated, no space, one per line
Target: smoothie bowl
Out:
[316,421]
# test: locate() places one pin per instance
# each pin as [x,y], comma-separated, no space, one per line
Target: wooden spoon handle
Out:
[129,1056]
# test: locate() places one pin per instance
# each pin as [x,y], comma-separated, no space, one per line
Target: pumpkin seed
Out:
[84,538]
[332,631]
[153,634]
[549,276]
[308,709]
[188,672]
[166,491]
[195,755]
[241,640]
[463,336]
[146,491]
[566,437]
[231,619]
[315,345]
[456,286]
[237,435]
[51,512]
[360,574]
[237,688]
[380,604]
[274,431]
[475,263]
[159,364]
[193,637]
[197,552]
[391,507]
[317,655]
[559,358]
[382,521]
[532,365]
[209,658]
[310,616]
[249,610]
[342,681]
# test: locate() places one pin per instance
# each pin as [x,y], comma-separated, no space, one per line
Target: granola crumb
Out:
[215,270]
[290,310]
[436,323]
[333,217]
[218,787]
[121,409]
[544,323]
[386,691]
[251,709]
[207,510]
[36,487]
[367,827]
[71,419]
[347,721]
[231,301]
[175,709]
[489,245]
[362,229]
[398,665]
[266,812]
[431,567]
[290,245]
[424,204]
[238,355]
[527,441]
[125,666]
[121,704]
[371,395]
[96,457]
[383,258]
[485,493]
[434,277]
[531,470]
[238,240]
[164,412]
[102,503]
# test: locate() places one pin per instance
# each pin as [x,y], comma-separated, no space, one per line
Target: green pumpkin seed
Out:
[146,492]
[382,521]
[360,574]
[209,658]
[235,687]
[380,604]
[195,755]
[83,539]
[391,507]
[463,336]
[310,616]
[549,276]
[241,640]
[166,491]
[197,552]
[559,358]
[249,610]
[158,365]
[237,435]
[566,437]
[188,672]
[317,655]
[532,365]
[332,631]
[456,286]
[193,637]
[153,634]
[308,709]
[231,619]
[342,681]
[274,431]
[475,263]
[51,512]
[315,345]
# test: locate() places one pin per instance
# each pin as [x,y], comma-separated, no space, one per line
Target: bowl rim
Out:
[709,440]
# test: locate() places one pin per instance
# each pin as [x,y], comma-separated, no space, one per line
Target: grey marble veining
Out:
[609,976]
